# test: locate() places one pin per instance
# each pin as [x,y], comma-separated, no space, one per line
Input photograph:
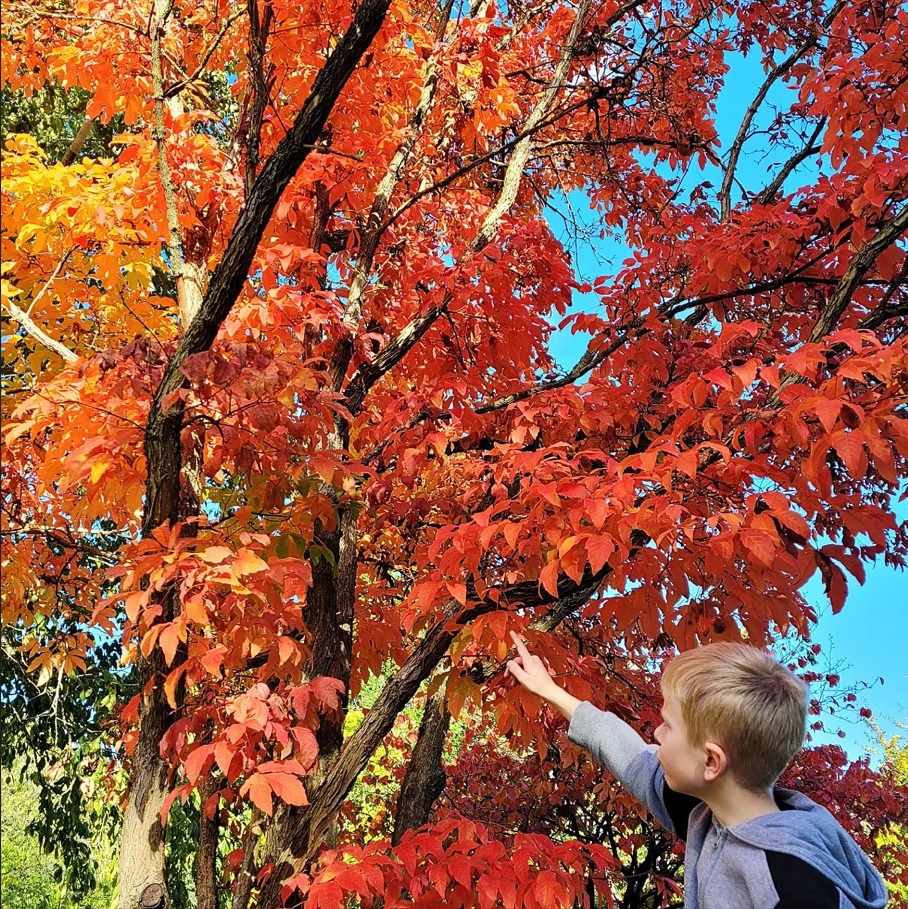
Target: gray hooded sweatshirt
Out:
[797,858]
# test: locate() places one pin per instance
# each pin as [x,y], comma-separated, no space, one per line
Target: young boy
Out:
[733,718]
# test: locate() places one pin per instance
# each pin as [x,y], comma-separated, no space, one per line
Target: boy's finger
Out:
[519,644]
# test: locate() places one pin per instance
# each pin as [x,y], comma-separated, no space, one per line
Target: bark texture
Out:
[424,781]
[206,876]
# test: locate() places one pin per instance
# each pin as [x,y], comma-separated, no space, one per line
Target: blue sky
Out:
[869,639]
[867,642]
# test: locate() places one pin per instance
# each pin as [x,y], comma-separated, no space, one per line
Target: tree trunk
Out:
[206,869]
[141,864]
[141,843]
[329,618]
[425,778]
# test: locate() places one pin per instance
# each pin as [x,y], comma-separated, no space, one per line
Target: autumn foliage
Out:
[282,413]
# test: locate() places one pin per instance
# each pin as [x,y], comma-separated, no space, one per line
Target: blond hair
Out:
[744,700]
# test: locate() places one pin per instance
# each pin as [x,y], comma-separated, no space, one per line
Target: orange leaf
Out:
[196,764]
[170,684]
[216,554]
[247,562]
[258,789]
[760,544]
[548,577]
[195,610]
[828,411]
[599,550]
[169,639]
[458,590]
[211,661]
[286,648]
[288,787]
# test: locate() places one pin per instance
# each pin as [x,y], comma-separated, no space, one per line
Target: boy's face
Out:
[684,764]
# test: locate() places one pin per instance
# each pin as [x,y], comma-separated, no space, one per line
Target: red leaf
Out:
[550,892]
[850,448]
[198,762]
[211,805]
[328,691]
[406,852]
[258,789]
[828,411]
[326,896]
[288,787]
[223,755]
[179,792]
[307,746]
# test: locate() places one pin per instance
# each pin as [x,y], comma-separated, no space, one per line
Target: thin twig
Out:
[50,280]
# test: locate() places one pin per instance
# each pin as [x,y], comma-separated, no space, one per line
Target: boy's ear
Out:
[716,762]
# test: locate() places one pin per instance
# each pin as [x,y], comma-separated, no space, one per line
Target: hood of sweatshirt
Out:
[809,832]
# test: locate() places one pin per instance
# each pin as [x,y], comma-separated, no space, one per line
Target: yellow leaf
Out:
[247,562]
[9,289]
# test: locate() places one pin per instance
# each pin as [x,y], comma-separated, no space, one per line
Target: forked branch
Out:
[397,349]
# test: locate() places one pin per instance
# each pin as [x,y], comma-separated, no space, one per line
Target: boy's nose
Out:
[657,735]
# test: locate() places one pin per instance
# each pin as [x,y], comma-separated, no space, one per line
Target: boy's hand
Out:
[530,671]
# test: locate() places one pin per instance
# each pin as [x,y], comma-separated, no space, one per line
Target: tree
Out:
[890,840]
[30,879]
[286,351]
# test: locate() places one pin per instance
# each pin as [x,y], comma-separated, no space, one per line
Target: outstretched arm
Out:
[610,741]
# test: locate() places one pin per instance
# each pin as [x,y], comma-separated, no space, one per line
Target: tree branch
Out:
[258,38]
[855,272]
[765,196]
[231,272]
[187,294]
[398,691]
[61,350]
[884,311]
[479,161]
[375,229]
[77,143]
[177,87]
[774,75]
[397,349]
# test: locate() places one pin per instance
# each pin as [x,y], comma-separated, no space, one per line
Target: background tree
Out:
[31,877]
[286,353]
[890,840]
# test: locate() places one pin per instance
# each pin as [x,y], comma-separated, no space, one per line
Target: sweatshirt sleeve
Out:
[631,761]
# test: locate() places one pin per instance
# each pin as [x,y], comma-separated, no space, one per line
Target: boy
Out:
[733,718]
